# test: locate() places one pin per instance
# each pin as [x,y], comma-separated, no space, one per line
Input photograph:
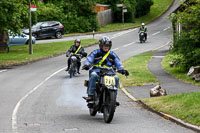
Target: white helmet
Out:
[143,24]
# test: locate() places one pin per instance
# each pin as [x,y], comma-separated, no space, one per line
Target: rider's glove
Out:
[86,67]
[125,72]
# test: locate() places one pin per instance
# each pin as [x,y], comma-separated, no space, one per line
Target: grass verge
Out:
[19,54]
[176,71]
[183,106]
[137,67]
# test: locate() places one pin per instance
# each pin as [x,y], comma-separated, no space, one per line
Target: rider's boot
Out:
[89,98]
[117,103]
[67,67]
[78,70]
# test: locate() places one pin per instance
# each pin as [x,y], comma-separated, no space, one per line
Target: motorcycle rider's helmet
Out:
[105,41]
[77,41]
[143,24]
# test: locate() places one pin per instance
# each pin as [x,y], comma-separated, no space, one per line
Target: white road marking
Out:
[162,46]
[115,49]
[122,33]
[166,28]
[128,44]
[14,114]
[158,56]
[3,70]
[156,33]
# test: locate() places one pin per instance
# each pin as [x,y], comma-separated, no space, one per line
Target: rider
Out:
[76,49]
[102,57]
[144,29]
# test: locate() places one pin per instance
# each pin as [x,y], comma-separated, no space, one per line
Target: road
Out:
[41,98]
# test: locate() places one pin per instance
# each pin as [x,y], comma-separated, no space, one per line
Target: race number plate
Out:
[109,80]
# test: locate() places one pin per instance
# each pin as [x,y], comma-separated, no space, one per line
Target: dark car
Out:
[46,29]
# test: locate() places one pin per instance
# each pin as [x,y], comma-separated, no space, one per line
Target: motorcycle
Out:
[142,37]
[104,99]
[73,69]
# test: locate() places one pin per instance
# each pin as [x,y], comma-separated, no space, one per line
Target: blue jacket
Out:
[111,60]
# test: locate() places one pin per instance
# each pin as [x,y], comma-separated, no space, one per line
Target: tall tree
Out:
[187,46]
[14,16]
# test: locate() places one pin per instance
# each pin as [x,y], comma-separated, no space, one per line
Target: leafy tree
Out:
[14,17]
[13,13]
[187,44]
[76,16]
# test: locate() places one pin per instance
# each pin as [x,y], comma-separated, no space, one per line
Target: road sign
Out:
[120,5]
[125,10]
[33,8]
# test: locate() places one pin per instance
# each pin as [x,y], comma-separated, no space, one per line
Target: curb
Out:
[166,116]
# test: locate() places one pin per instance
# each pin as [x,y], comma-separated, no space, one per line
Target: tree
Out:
[187,46]
[14,17]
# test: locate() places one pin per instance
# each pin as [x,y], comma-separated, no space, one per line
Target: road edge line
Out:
[16,108]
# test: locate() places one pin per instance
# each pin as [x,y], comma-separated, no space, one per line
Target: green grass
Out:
[184,106]
[176,71]
[157,9]
[137,67]
[20,54]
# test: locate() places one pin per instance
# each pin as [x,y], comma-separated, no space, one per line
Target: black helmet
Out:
[77,40]
[105,41]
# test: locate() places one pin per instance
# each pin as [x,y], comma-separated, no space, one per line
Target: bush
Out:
[48,12]
[80,18]
[143,7]
[188,50]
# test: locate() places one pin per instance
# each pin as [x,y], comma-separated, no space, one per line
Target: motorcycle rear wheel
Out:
[109,106]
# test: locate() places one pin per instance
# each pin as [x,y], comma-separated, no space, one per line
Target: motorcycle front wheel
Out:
[93,110]
[109,105]
[71,70]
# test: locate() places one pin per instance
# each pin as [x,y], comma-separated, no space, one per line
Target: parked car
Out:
[16,39]
[46,29]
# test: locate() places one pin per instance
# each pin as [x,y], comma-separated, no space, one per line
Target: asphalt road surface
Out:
[41,98]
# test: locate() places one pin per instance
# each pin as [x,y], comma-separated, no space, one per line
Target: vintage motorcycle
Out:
[104,99]
[142,37]
[73,69]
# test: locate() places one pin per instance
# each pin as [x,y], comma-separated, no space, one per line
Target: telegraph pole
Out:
[30,30]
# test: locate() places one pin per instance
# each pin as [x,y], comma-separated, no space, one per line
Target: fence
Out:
[105,17]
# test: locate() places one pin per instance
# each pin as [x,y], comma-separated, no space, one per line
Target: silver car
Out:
[16,39]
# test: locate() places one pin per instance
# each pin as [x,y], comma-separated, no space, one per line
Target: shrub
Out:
[143,7]
[188,50]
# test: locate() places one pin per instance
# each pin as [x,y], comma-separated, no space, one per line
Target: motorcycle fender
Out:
[111,87]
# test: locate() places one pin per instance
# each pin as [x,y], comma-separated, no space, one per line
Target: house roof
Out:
[105,5]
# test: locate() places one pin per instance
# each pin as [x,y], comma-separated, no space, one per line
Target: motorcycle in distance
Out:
[104,99]
[142,37]
[73,69]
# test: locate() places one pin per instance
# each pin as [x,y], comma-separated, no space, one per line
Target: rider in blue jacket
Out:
[102,57]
